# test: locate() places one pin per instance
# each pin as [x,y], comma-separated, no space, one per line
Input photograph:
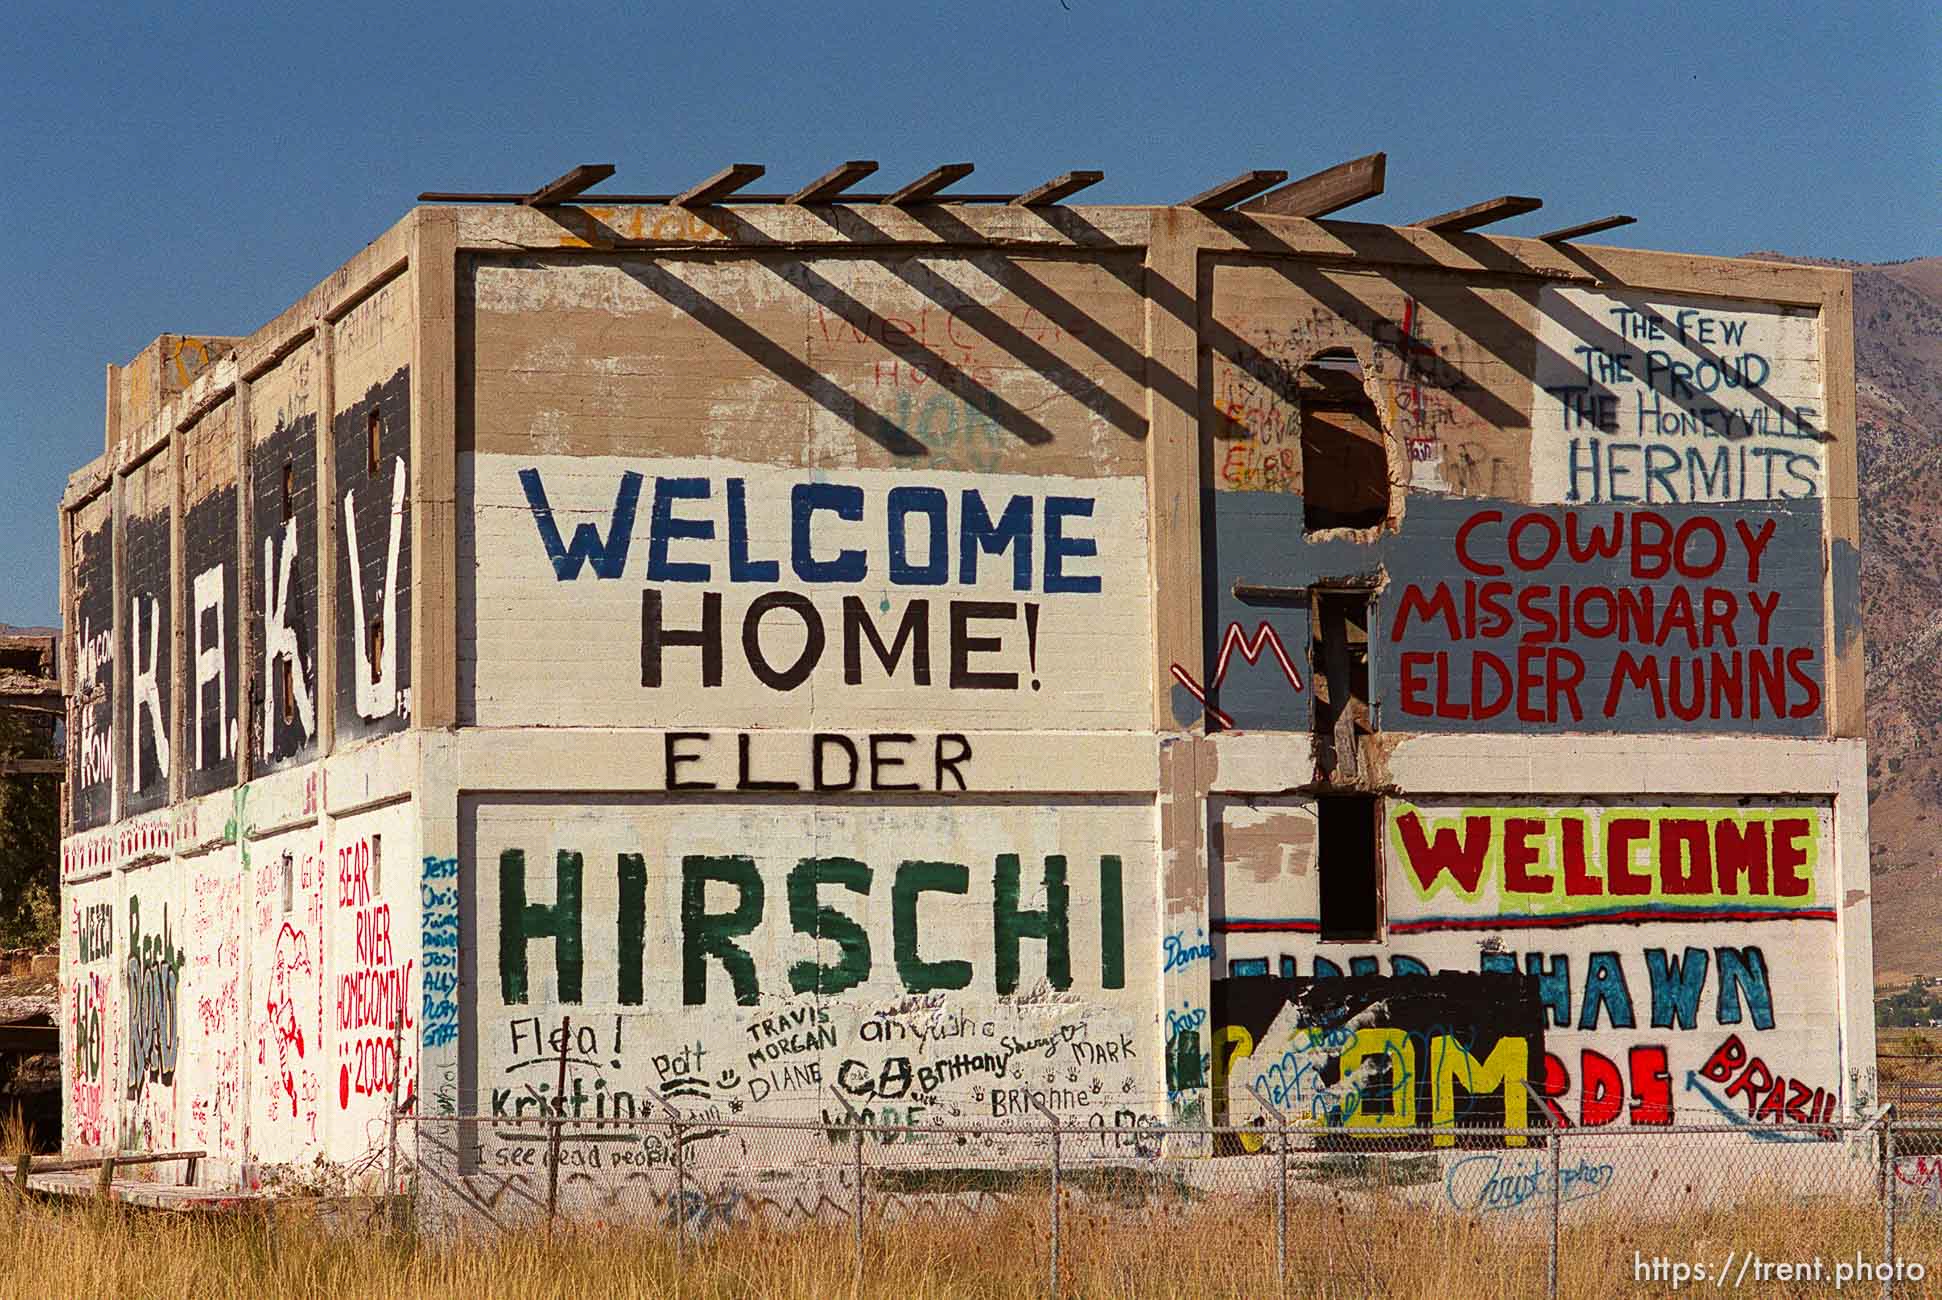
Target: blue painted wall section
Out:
[1501,616]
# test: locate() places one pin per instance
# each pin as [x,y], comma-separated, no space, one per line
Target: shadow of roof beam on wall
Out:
[719,186]
[563,189]
[1612,222]
[1229,192]
[1052,191]
[833,182]
[1328,190]
[927,187]
[1501,208]
[746,338]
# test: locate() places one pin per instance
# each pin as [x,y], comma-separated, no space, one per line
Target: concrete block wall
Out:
[240,939]
[766,674]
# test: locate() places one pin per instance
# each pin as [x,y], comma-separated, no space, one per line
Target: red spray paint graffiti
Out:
[374,1012]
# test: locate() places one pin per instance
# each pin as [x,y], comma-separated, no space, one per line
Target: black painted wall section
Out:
[1441,1014]
[92,786]
[374,672]
[144,651]
[209,673]
[283,608]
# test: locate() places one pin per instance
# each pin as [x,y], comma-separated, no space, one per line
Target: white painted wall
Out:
[1083,1038]
[225,1031]
[563,550]
[1725,400]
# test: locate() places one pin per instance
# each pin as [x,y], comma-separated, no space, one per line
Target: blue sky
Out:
[195,167]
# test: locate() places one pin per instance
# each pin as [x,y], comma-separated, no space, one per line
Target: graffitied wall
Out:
[973,360]
[151,974]
[289,885]
[146,632]
[210,561]
[1688,589]
[1452,399]
[92,784]
[236,996]
[374,980]
[438,1014]
[735,594]
[371,446]
[90,1005]
[1682,957]
[211,1012]
[768,492]
[1655,401]
[797,610]
[283,703]
[1494,616]
[941,961]
[1370,1053]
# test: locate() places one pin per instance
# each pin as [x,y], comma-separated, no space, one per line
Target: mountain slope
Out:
[1898,387]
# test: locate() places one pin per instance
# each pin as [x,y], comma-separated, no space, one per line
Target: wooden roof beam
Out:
[833,182]
[1228,193]
[564,188]
[1501,208]
[1056,189]
[1328,190]
[927,187]
[1612,222]
[719,186]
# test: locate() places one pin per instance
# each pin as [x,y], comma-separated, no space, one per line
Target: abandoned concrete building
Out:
[957,652]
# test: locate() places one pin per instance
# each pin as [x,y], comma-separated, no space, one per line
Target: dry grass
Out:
[1909,1055]
[1335,1250]
[16,1135]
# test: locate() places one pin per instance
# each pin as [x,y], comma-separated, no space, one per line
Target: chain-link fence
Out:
[1274,1207]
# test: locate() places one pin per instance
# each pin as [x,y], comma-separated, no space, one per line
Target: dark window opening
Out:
[1348,862]
[289,882]
[286,691]
[374,430]
[377,864]
[1344,457]
[289,491]
[374,646]
[1338,674]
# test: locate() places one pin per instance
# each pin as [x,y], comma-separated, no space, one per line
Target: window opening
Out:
[1351,878]
[289,491]
[374,431]
[289,881]
[374,646]
[1344,457]
[377,864]
[286,691]
[1338,677]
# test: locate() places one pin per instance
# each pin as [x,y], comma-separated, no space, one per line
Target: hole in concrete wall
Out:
[21,659]
[377,864]
[374,433]
[289,491]
[1344,460]
[286,691]
[1338,672]
[1351,878]
[374,645]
